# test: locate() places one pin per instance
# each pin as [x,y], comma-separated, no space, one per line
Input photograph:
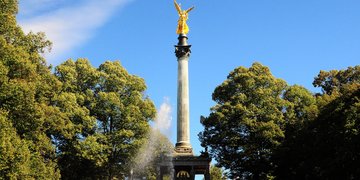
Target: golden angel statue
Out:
[182,27]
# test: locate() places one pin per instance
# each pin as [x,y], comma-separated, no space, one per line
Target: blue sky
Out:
[295,39]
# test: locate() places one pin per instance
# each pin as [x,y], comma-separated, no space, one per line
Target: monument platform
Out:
[184,166]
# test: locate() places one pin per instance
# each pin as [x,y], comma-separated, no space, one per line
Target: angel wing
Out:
[187,11]
[178,8]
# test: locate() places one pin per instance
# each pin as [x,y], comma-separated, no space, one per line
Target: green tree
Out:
[217,173]
[74,100]
[327,147]
[26,89]
[245,126]
[86,121]
[338,80]
[123,114]
[301,109]
[111,112]
[14,152]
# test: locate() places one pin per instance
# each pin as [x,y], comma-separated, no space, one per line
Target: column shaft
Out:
[182,51]
[183,130]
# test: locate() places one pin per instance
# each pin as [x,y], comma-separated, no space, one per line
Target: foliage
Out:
[300,111]
[245,125]
[316,135]
[111,115]
[14,152]
[217,173]
[26,87]
[85,122]
[327,147]
[335,80]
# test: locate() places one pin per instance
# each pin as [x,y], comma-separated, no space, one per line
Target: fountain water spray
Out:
[157,143]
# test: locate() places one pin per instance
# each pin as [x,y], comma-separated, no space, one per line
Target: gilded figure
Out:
[182,27]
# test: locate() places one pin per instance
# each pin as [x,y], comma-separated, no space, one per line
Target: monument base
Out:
[184,167]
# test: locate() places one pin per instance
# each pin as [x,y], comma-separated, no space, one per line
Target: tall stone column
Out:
[182,50]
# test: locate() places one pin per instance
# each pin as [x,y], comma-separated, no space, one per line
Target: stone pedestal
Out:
[184,167]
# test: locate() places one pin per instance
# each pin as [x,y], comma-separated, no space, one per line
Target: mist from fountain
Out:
[157,143]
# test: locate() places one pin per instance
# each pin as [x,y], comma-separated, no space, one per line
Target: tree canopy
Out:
[217,173]
[326,147]
[26,87]
[262,128]
[74,122]
[111,114]
[245,125]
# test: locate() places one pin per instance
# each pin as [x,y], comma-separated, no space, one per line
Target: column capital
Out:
[182,51]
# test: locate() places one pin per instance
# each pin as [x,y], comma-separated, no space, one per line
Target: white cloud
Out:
[32,7]
[69,25]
